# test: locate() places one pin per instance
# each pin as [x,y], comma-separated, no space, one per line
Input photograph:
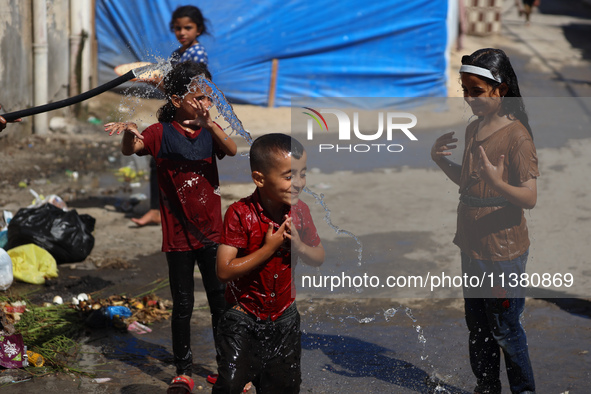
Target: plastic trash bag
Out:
[32,264]
[109,316]
[65,234]
[6,275]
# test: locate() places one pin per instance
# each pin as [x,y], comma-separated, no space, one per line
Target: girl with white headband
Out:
[497,181]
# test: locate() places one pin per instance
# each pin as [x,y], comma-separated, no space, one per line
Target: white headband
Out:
[483,72]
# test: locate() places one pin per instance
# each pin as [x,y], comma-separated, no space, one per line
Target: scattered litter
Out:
[128,174]
[138,197]
[138,328]
[13,354]
[6,276]
[93,120]
[52,199]
[72,174]
[66,235]
[32,264]
[121,312]
[35,359]
[101,380]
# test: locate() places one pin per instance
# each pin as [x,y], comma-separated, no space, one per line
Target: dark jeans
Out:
[265,353]
[181,267]
[494,325]
[154,190]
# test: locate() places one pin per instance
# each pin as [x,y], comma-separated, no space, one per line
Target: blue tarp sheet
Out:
[325,48]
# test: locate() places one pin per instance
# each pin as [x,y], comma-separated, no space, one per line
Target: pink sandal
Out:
[181,382]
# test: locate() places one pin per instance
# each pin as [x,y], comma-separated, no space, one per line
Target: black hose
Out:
[69,101]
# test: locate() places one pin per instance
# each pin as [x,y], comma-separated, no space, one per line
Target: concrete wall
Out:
[58,41]
[16,62]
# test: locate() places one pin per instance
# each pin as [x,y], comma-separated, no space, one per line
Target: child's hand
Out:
[442,146]
[202,118]
[292,234]
[493,175]
[274,240]
[119,127]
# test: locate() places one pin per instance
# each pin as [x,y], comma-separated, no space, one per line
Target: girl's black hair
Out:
[191,12]
[263,148]
[177,82]
[497,62]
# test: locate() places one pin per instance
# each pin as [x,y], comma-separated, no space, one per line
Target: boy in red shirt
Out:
[259,336]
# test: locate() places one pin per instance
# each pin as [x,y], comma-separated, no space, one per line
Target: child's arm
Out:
[230,267]
[226,144]
[525,195]
[310,255]
[441,149]
[132,141]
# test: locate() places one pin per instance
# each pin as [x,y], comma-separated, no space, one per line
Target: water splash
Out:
[224,107]
[320,200]
[391,312]
[365,320]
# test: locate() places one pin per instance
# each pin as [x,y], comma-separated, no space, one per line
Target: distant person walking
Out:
[526,8]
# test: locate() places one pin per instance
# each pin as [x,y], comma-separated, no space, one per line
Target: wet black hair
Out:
[191,12]
[177,82]
[263,148]
[498,63]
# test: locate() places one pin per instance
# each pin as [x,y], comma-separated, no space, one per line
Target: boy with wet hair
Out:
[259,335]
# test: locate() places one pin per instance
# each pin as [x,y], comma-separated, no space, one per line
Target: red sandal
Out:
[181,382]
[212,378]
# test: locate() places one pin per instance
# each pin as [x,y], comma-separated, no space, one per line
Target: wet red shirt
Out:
[268,290]
[190,202]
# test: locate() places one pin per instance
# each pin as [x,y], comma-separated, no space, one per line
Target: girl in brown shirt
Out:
[497,180]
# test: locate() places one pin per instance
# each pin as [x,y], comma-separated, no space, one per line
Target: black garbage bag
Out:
[65,234]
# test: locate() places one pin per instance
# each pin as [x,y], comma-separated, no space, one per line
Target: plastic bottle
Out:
[6,277]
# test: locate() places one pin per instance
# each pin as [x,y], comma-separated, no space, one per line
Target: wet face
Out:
[185,110]
[186,31]
[284,180]
[482,98]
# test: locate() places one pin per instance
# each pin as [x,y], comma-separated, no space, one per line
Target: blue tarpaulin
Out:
[324,48]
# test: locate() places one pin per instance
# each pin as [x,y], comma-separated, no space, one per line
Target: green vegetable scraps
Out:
[48,330]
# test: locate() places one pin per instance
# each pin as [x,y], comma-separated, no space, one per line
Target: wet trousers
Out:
[266,353]
[181,267]
[495,326]
[154,190]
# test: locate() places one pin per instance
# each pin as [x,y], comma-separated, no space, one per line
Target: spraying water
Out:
[320,200]
[224,107]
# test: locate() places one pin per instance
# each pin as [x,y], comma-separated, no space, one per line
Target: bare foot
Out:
[152,217]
